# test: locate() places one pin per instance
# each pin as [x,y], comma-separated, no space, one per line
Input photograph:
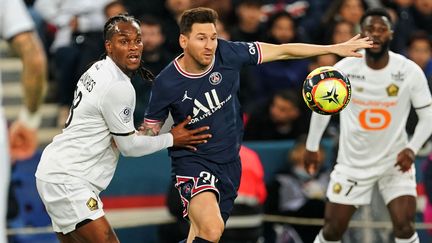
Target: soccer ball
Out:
[326,90]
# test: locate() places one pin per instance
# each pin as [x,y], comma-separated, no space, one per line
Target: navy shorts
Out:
[193,175]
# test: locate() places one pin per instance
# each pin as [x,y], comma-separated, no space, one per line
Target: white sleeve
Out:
[139,145]
[117,107]
[423,129]
[419,89]
[318,125]
[15,19]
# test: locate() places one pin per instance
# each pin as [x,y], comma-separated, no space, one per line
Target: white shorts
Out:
[346,188]
[69,204]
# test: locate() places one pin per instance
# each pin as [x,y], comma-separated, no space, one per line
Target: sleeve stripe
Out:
[122,134]
[422,107]
[151,121]
[259,52]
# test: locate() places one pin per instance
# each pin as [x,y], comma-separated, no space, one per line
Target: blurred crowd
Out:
[72,36]
[71,31]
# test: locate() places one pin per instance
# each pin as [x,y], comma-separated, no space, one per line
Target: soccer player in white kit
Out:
[80,162]
[16,26]
[373,144]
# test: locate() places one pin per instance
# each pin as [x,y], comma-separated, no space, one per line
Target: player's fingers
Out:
[190,147]
[200,129]
[356,54]
[310,167]
[201,137]
[311,170]
[199,141]
[356,37]
[185,121]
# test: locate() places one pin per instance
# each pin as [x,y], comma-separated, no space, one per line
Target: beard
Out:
[380,53]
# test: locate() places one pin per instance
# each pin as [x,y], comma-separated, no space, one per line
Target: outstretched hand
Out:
[311,161]
[405,159]
[189,138]
[350,47]
[22,141]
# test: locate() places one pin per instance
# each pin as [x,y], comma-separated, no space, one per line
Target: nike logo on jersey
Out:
[186,97]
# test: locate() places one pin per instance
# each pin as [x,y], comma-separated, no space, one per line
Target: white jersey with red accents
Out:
[372,127]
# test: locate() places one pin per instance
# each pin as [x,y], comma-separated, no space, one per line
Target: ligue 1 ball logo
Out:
[326,90]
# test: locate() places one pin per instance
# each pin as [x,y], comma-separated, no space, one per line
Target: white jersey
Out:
[372,127]
[103,105]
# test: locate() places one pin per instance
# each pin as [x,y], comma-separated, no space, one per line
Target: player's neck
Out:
[189,65]
[378,62]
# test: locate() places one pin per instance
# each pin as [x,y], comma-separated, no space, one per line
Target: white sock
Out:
[413,239]
[320,239]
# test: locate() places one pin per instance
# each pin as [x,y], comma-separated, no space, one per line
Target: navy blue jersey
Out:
[210,98]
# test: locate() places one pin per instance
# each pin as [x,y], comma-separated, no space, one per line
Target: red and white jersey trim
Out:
[191,75]
[259,52]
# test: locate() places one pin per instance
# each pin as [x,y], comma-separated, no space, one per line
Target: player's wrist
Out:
[30,119]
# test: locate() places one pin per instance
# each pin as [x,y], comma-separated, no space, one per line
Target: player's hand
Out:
[311,161]
[405,159]
[188,138]
[350,47]
[22,141]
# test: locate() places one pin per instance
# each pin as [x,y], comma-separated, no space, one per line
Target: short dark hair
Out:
[376,12]
[196,15]
[419,35]
[109,25]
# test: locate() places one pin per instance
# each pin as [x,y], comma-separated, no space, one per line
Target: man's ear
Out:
[183,40]
[108,46]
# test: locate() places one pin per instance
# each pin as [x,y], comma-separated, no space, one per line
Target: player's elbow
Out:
[127,151]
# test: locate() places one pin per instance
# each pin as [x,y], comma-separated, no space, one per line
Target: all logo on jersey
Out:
[392,90]
[215,78]
[204,109]
[399,76]
[92,204]
[126,115]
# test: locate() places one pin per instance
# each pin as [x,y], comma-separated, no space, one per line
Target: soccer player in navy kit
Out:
[203,82]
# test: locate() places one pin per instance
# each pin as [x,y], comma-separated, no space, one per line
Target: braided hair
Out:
[108,32]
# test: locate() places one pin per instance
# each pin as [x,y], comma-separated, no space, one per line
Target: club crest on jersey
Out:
[215,78]
[92,204]
[392,90]
[126,115]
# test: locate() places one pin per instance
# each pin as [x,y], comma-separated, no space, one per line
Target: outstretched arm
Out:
[22,132]
[271,52]
[29,48]
[317,126]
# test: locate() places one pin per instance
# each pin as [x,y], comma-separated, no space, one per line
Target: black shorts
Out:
[193,175]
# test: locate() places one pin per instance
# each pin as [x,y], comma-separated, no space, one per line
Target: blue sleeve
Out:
[160,99]
[239,54]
